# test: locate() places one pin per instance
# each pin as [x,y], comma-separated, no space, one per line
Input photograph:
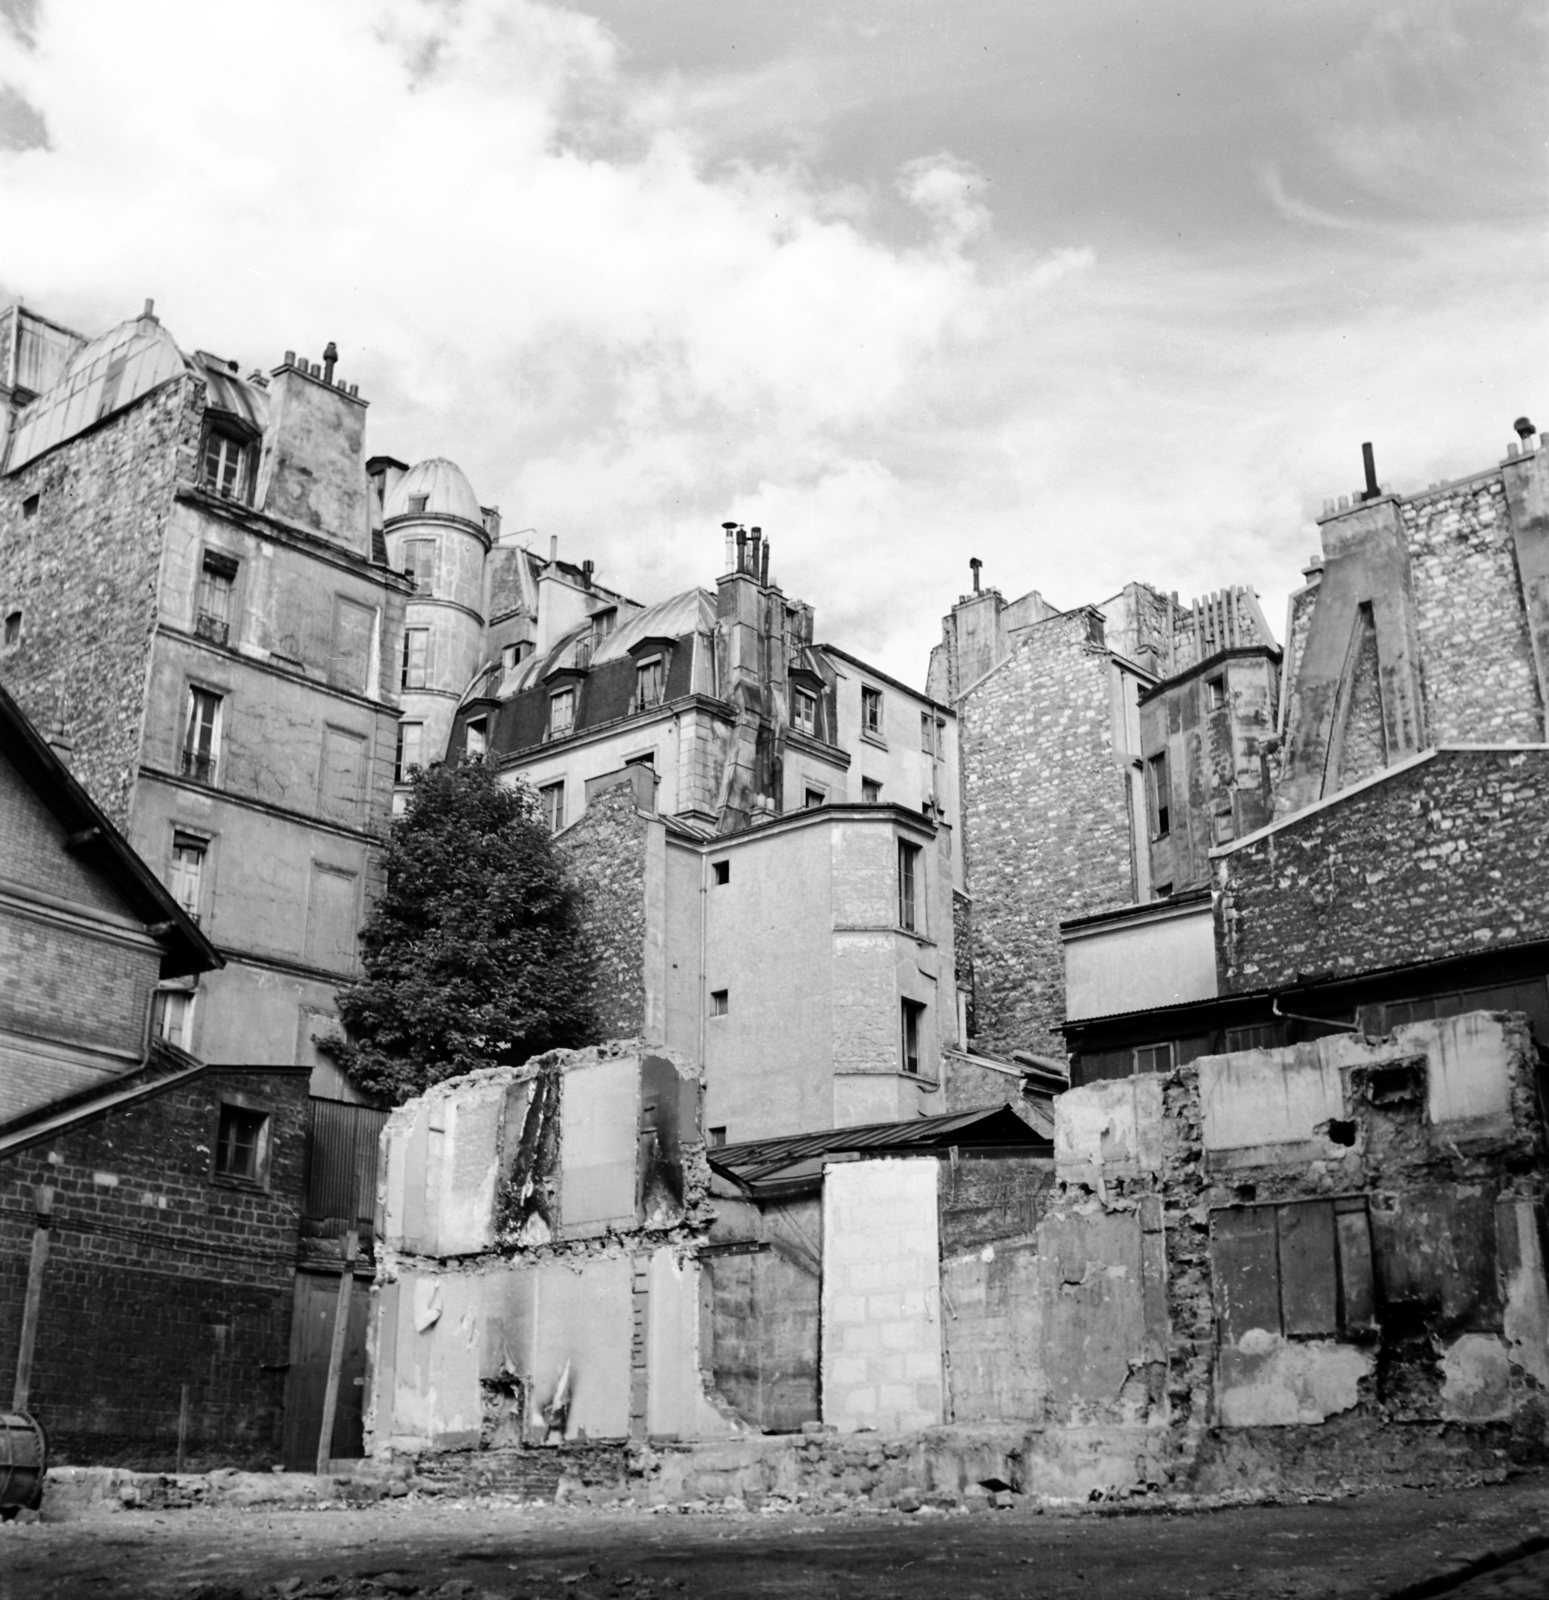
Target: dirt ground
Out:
[1369,1546]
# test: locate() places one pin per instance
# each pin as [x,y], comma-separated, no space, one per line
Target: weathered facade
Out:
[190,591]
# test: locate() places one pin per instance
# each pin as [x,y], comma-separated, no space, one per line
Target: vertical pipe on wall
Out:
[33,1301]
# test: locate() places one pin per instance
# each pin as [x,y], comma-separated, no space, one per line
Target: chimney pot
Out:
[1369,461]
[290,359]
[1328,508]
[974,564]
[553,547]
[330,360]
[1523,427]
[150,310]
[1513,450]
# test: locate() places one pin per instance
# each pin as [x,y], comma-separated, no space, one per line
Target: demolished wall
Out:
[537,1278]
[1354,1259]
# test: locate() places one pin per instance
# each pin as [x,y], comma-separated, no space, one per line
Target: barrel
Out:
[23,1461]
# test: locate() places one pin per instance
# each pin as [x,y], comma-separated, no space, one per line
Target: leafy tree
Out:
[474,957]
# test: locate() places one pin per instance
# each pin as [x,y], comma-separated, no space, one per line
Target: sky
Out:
[1092,291]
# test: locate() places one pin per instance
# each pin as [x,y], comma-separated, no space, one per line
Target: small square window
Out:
[871,712]
[871,792]
[722,871]
[242,1144]
[813,798]
[717,1138]
[720,1002]
[30,506]
[13,629]
[1154,1057]
[417,504]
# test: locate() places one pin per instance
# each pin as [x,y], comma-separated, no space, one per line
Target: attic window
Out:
[417,504]
[650,684]
[227,463]
[30,506]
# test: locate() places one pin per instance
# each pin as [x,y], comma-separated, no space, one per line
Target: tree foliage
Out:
[474,957]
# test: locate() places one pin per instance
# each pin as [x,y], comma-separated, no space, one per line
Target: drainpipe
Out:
[1297,1016]
[704,917]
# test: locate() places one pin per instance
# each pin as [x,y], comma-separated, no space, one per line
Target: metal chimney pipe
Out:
[1370,463]
[755,539]
[330,360]
[974,563]
[763,571]
[728,528]
[742,549]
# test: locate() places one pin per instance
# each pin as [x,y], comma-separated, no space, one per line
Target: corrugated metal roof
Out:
[758,1159]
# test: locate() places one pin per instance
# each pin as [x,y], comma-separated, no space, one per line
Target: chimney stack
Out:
[1370,462]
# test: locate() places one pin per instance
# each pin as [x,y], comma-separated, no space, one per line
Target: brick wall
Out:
[159,1275]
[607,850]
[83,571]
[1046,825]
[1444,858]
[1480,684]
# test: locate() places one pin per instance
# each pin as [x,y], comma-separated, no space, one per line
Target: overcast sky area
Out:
[1093,291]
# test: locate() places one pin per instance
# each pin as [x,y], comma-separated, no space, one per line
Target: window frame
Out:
[163,1003]
[402,769]
[178,875]
[424,578]
[243,1106]
[475,728]
[1215,692]
[650,684]
[11,629]
[215,594]
[1158,808]
[911,1018]
[720,872]
[873,717]
[720,1003]
[553,813]
[552,728]
[812,797]
[911,879]
[804,712]
[189,761]
[871,791]
[410,669]
[231,445]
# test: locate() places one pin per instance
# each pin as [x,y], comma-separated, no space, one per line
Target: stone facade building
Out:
[191,590]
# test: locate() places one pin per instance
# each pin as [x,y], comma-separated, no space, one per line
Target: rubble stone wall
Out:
[83,569]
[1480,684]
[607,848]
[1047,825]
[1449,855]
[159,1274]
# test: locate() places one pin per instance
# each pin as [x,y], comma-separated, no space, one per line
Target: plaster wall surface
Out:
[881,1296]
[312,469]
[1141,965]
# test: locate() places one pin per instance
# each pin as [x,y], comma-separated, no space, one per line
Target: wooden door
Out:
[311,1339]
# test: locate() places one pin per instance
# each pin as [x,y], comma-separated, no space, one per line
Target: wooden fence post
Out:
[341,1323]
[33,1302]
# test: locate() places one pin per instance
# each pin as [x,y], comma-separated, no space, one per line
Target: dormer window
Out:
[227,467]
[650,683]
[804,712]
[561,713]
[476,741]
[417,504]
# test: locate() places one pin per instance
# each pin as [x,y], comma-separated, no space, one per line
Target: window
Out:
[871,792]
[419,563]
[561,713]
[1159,796]
[227,464]
[30,506]
[202,737]
[908,885]
[13,629]
[602,625]
[175,1017]
[647,759]
[508,657]
[416,657]
[417,504]
[814,797]
[650,684]
[212,603]
[476,738]
[804,712]
[1261,1036]
[717,1138]
[912,1013]
[411,750]
[1215,693]
[927,733]
[242,1144]
[552,798]
[871,712]
[721,870]
[188,854]
[1154,1057]
[720,1002]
